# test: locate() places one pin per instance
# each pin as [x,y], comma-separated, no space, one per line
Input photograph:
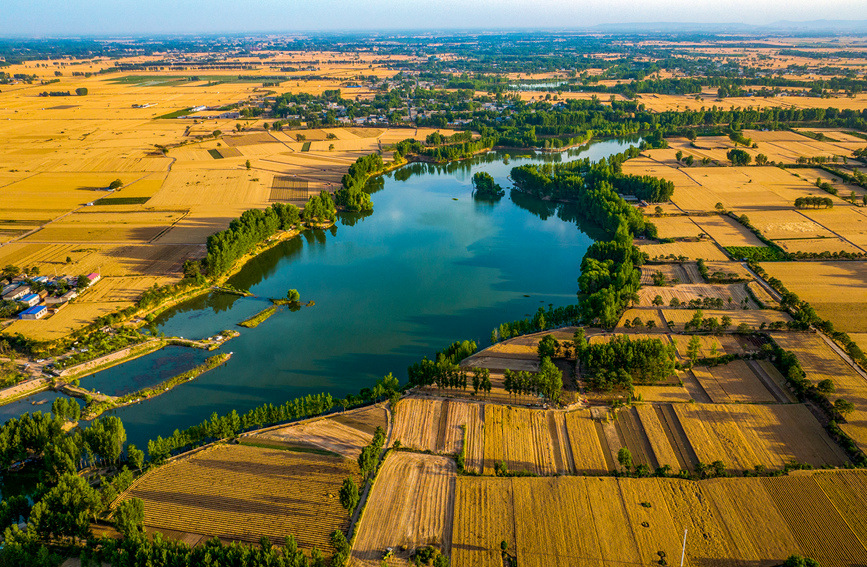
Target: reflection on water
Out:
[430,266]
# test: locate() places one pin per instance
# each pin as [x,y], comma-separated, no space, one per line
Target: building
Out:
[17,293]
[92,279]
[71,294]
[37,312]
[30,299]
[8,288]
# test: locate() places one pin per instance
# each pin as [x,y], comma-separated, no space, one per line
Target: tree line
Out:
[244,233]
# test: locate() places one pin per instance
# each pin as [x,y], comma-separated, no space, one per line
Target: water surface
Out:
[430,266]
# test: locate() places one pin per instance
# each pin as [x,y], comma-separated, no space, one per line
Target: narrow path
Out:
[842,354]
[363,500]
[768,382]
[762,282]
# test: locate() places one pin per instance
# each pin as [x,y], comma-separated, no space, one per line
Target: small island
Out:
[484,187]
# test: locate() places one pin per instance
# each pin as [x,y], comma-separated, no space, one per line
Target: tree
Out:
[66,510]
[129,517]
[135,456]
[293,295]
[116,184]
[547,347]
[81,91]
[658,300]
[719,207]
[798,561]
[247,164]
[739,157]
[485,187]
[693,348]
[826,386]
[349,495]
[105,437]
[624,457]
[845,407]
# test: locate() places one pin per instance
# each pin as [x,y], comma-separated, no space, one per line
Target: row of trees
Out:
[547,382]
[245,232]
[815,202]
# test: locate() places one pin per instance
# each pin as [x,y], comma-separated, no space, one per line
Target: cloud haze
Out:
[73,17]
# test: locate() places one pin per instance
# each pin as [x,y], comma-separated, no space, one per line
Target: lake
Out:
[430,266]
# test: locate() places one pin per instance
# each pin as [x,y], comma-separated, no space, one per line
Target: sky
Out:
[109,17]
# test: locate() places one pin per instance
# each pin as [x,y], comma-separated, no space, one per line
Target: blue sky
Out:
[73,17]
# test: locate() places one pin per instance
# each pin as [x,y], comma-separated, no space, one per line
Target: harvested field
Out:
[787,224]
[674,273]
[676,226]
[837,290]
[687,292]
[820,362]
[752,317]
[411,505]
[754,521]
[365,419]
[690,250]
[734,382]
[743,436]
[325,434]
[819,245]
[727,232]
[525,440]
[243,493]
[435,425]
[662,394]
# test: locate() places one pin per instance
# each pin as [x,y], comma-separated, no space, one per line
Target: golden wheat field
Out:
[754,318]
[820,362]
[734,382]
[837,290]
[411,505]
[756,521]
[689,250]
[726,231]
[242,493]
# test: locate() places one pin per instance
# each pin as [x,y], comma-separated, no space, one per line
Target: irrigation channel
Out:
[429,266]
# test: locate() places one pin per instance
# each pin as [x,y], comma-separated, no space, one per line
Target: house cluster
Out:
[36,297]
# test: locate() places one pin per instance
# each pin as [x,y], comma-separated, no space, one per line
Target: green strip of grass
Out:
[175,114]
[258,318]
[756,253]
[305,147]
[215,154]
[123,201]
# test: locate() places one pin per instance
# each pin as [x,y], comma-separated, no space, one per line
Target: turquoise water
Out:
[146,371]
[428,267]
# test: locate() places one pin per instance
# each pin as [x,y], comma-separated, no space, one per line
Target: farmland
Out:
[837,290]
[243,493]
[411,505]
[727,520]
[820,362]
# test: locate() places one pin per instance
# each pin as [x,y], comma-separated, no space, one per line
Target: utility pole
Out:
[683,553]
